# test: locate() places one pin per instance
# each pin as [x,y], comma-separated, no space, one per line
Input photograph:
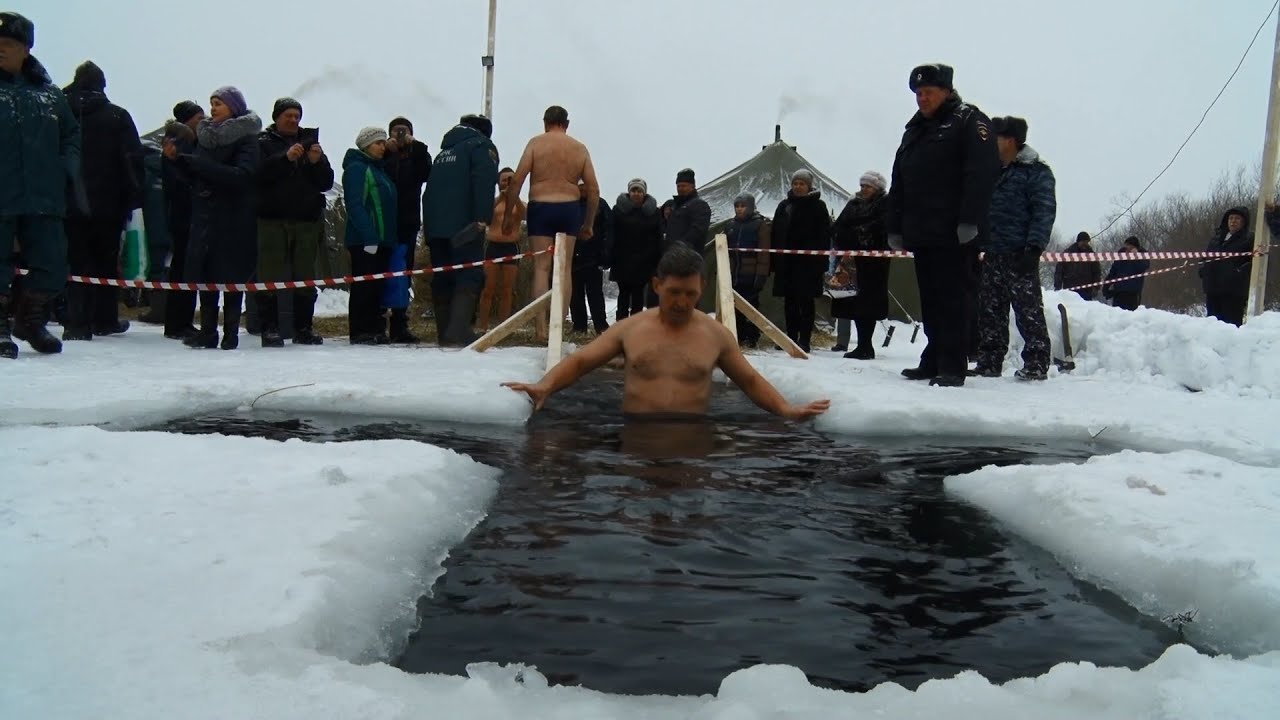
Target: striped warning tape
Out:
[291,284]
[1044,257]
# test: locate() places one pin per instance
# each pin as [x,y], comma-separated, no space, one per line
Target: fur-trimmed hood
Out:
[230,132]
[624,204]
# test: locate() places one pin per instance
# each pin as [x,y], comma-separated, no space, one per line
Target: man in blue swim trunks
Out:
[554,163]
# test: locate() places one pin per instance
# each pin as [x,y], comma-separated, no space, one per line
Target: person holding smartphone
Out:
[408,164]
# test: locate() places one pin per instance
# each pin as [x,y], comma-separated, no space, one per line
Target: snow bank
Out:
[1168,533]
[332,303]
[154,576]
[140,378]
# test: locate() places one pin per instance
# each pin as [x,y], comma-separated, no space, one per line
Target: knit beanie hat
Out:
[90,77]
[284,103]
[874,179]
[1133,242]
[1083,236]
[803,174]
[232,98]
[638,183]
[369,136]
[686,175]
[746,199]
[185,110]
[17,27]
[400,121]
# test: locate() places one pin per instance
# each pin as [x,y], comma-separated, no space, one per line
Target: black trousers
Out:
[180,305]
[748,333]
[364,308]
[588,290]
[93,249]
[1227,308]
[798,309]
[945,282]
[1126,300]
[630,299]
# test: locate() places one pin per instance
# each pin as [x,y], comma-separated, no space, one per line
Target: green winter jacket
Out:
[41,141]
[370,197]
[460,190]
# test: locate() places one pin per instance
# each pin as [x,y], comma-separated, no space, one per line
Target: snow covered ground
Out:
[150,575]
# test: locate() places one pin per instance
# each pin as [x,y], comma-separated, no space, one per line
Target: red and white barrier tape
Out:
[1044,257]
[1183,266]
[291,284]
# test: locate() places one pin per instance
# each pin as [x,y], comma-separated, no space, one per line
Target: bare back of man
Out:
[671,352]
[554,164]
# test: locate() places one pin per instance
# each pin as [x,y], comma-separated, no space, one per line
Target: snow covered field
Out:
[149,575]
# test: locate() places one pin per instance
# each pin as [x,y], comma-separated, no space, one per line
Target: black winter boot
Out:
[8,348]
[159,300]
[207,337]
[443,310]
[304,313]
[269,320]
[30,320]
[79,315]
[232,307]
[400,328]
[462,309]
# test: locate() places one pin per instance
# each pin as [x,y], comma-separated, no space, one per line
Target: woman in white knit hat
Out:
[370,197]
[861,226]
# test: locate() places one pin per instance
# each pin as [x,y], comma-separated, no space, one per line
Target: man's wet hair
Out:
[680,261]
[555,115]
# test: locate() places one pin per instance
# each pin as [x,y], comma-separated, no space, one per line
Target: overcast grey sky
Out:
[1110,87]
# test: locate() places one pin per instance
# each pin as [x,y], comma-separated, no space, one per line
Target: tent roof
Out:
[767,176]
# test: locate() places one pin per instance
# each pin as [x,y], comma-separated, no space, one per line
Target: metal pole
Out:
[1267,190]
[487,60]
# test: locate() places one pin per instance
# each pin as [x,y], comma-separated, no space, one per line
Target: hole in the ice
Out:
[652,558]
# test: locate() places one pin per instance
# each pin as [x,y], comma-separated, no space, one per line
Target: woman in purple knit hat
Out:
[223,247]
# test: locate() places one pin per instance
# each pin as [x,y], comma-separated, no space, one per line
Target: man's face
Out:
[685,189]
[930,98]
[678,296]
[12,55]
[636,195]
[504,181]
[1008,148]
[194,122]
[740,211]
[287,122]
[1235,223]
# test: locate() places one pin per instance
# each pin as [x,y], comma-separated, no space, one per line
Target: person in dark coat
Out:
[861,226]
[40,137]
[156,228]
[749,271]
[408,164]
[1023,208]
[459,197]
[1123,288]
[801,222]
[686,217]
[372,212]
[292,180]
[179,305]
[1074,274]
[223,175]
[637,246]
[939,197]
[590,259]
[1226,282]
[112,179]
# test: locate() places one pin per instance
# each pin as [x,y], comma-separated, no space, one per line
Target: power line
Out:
[1197,127]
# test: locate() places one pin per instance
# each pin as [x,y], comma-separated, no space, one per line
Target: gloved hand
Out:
[895,241]
[966,233]
[1030,260]
[371,249]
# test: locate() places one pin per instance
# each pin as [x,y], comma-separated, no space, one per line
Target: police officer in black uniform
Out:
[943,176]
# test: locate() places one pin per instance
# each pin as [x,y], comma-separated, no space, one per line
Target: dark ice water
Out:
[658,557]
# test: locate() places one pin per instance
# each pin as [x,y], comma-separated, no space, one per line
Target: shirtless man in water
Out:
[554,163]
[670,354]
